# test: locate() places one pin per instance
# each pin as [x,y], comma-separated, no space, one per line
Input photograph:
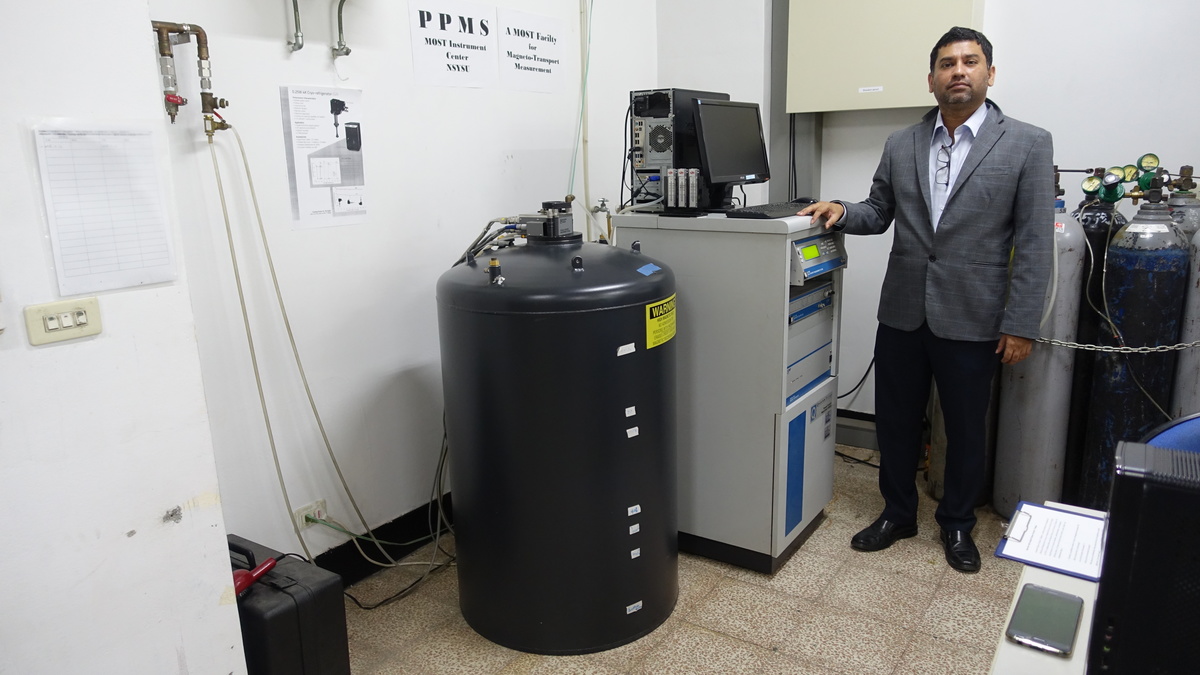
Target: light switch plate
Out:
[42,331]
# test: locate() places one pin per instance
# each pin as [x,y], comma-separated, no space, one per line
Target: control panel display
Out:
[814,256]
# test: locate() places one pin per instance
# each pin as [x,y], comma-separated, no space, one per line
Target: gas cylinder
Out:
[1035,394]
[1185,211]
[1100,220]
[1186,399]
[558,364]
[1145,277]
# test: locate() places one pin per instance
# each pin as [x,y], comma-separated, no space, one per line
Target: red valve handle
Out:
[242,579]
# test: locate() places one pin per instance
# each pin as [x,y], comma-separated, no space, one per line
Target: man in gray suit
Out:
[971,192]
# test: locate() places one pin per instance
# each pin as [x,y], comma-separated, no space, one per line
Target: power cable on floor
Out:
[438,525]
[849,459]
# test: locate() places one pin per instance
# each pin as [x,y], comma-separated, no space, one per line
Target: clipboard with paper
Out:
[1061,540]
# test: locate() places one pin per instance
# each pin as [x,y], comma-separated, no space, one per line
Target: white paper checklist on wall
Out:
[104,205]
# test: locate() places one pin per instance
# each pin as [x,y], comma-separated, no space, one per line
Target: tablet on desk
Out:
[1045,619]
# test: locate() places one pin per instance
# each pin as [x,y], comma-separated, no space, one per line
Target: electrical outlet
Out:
[315,509]
[62,320]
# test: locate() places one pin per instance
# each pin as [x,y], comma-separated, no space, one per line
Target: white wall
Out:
[100,438]
[361,298]
[624,59]
[711,46]
[1057,66]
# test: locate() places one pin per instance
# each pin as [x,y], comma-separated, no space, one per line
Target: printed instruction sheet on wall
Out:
[104,205]
[323,135]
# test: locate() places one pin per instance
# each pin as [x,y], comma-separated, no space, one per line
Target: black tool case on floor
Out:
[293,618]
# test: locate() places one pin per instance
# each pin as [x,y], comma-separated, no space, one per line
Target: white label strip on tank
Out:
[634,607]
[870,90]
[635,528]
[632,431]
[625,349]
[631,411]
[635,553]
[1149,228]
[633,510]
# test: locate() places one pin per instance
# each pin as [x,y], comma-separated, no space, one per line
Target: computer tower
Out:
[1147,612]
[663,133]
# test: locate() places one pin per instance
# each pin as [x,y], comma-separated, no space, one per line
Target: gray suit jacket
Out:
[1000,209]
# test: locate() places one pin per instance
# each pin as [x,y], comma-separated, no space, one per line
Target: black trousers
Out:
[905,363]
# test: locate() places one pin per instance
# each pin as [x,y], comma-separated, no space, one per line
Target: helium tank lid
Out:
[569,275]
[556,272]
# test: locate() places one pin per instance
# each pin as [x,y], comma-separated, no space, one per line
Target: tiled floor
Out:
[831,609]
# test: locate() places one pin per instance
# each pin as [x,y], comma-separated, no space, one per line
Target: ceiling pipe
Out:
[341,49]
[297,42]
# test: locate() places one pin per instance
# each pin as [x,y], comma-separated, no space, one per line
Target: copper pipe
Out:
[164,37]
[165,28]
[201,40]
[210,104]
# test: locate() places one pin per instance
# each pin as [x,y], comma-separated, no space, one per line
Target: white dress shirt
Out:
[958,147]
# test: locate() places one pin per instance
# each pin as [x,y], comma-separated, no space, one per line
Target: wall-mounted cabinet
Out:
[867,54]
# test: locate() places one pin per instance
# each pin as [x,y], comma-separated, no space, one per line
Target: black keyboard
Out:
[773,210]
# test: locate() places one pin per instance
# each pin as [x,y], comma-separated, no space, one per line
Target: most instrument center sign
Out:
[465,44]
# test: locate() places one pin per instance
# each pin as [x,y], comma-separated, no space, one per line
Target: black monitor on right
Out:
[1146,618]
[732,149]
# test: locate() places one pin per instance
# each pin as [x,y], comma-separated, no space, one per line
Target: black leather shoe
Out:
[960,550]
[881,534]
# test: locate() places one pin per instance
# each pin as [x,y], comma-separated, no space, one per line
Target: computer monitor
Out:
[732,150]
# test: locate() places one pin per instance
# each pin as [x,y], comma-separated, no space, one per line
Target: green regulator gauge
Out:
[1146,179]
[1119,170]
[1131,173]
[1091,185]
[1148,162]
[1111,190]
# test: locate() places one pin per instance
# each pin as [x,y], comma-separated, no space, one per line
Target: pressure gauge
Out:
[1131,173]
[1119,170]
[1148,162]
[1091,185]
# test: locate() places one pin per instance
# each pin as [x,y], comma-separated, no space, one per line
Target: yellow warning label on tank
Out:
[660,322]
